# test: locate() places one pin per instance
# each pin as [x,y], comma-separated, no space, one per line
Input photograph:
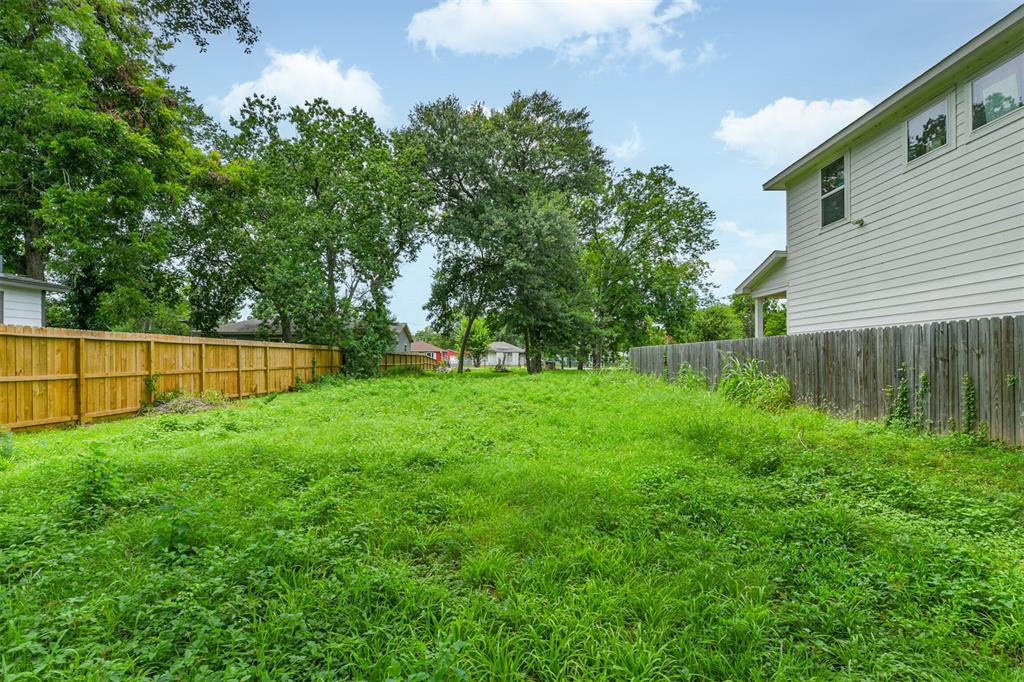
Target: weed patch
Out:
[570,525]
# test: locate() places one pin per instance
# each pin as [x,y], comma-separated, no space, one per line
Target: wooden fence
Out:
[853,372]
[53,376]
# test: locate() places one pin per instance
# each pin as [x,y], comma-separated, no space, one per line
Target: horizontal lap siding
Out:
[774,280]
[943,238]
[22,305]
[848,372]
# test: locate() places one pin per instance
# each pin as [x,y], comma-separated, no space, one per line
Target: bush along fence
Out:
[53,376]
[945,376]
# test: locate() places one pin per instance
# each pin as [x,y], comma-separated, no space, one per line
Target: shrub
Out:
[98,487]
[747,383]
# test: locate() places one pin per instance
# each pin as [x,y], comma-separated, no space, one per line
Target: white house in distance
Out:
[501,353]
[403,337]
[914,212]
[23,299]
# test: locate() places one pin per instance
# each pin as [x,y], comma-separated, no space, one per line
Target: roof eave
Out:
[774,257]
[883,108]
[30,283]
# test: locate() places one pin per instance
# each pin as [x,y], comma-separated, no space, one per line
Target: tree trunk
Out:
[599,347]
[286,329]
[465,339]
[33,263]
[332,280]
[533,363]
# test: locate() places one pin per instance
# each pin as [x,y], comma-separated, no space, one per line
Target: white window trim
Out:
[845,220]
[951,126]
[968,95]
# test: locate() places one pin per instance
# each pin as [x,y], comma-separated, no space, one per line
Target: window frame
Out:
[950,99]
[845,189]
[968,95]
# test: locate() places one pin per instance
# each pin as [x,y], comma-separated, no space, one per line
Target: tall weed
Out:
[748,384]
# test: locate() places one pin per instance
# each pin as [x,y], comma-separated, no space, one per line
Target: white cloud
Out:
[575,29]
[297,77]
[708,53]
[629,148]
[787,128]
[751,239]
[723,272]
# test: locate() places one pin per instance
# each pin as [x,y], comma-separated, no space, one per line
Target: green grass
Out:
[561,526]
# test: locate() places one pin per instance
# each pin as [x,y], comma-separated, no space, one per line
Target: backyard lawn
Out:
[503,526]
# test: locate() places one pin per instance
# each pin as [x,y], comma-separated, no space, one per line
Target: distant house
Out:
[251,329]
[257,329]
[501,353]
[428,349]
[403,337]
[913,213]
[23,299]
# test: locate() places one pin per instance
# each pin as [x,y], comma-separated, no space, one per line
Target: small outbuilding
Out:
[505,354]
[23,299]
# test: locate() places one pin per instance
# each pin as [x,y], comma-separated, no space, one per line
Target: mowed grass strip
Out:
[561,526]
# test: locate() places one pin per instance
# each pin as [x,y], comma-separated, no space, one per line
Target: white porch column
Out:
[758,317]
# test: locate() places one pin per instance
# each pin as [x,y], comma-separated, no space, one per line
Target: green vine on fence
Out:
[899,411]
[903,414]
[923,386]
[969,395]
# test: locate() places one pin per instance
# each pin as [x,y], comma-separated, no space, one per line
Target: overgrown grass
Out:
[561,526]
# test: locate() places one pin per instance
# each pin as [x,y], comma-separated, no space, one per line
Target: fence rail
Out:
[849,372]
[54,376]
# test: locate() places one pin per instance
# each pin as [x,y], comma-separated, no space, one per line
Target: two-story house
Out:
[914,212]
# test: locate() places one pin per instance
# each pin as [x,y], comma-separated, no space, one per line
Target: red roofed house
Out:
[429,349]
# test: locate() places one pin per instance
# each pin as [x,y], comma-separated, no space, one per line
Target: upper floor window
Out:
[833,191]
[927,131]
[998,92]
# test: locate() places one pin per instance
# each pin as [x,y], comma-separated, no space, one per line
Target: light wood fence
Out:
[853,372]
[53,376]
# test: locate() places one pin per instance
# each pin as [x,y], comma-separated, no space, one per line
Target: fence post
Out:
[149,370]
[266,369]
[238,354]
[202,368]
[82,407]
[291,381]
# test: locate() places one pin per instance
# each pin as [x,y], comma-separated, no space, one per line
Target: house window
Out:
[927,131]
[998,92]
[833,191]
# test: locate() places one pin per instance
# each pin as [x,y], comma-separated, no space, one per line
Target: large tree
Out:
[311,226]
[493,170]
[643,242]
[94,141]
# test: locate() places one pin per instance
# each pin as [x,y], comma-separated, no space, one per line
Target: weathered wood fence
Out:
[852,372]
[52,376]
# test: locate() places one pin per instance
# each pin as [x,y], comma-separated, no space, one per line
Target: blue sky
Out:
[724,91]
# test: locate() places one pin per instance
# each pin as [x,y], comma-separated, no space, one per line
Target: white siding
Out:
[22,305]
[943,237]
[773,281]
[510,359]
